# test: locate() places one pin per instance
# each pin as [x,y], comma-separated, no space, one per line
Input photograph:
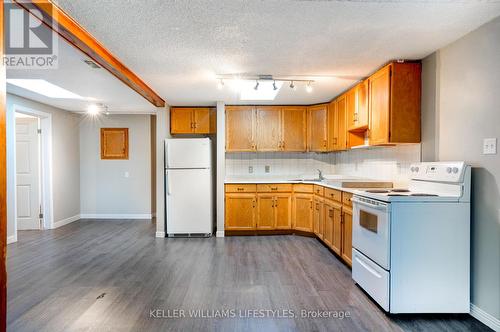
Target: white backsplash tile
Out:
[383,163]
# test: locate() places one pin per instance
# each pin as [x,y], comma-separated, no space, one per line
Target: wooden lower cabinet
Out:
[267,207]
[240,211]
[266,215]
[303,212]
[337,229]
[347,235]
[318,220]
[283,211]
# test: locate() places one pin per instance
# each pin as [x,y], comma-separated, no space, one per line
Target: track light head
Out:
[292,85]
[220,84]
[256,85]
[274,86]
[309,87]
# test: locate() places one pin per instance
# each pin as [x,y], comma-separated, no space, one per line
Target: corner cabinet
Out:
[186,120]
[394,104]
[318,128]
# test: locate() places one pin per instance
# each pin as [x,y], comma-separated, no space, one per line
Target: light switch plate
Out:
[126,174]
[250,169]
[490,146]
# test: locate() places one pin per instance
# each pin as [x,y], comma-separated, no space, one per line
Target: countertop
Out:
[291,179]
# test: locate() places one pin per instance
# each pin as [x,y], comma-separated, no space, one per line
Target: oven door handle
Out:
[379,206]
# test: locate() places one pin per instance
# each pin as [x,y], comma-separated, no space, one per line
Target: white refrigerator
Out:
[188,187]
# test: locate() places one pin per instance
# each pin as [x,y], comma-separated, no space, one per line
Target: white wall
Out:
[467,80]
[65,160]
[105,190]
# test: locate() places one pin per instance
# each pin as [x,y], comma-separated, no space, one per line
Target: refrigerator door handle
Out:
[167,179]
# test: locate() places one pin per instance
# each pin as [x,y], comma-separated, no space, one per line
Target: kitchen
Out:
[362,191]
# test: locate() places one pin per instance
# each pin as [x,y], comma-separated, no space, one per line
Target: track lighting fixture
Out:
[256,85]
[220,84]
[274,86]
[309,87]
[292,85]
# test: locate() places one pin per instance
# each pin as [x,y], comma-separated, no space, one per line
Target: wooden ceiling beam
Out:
[60,22]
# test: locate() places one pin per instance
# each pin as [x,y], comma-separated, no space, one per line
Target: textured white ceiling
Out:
[74,75]
[178,46]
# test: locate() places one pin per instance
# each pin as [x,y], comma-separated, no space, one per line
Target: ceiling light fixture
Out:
[93,110]
[44,88]
[220,84]
[256,85]
[309,87]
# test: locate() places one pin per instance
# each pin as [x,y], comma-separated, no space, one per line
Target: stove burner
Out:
[422,195]
[377,191]
[400,190]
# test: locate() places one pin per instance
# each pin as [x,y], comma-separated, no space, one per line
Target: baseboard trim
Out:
[484,317]
[66,221]
[220,234]
[160,234]
[116,216]
[12,239]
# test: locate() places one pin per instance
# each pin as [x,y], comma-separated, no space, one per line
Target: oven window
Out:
[368,221]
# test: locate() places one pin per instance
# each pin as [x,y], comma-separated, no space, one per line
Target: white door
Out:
[27,174]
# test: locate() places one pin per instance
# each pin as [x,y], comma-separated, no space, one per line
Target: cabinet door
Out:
[379,85]
[181,121]
[362,104]
[329,218]
[338,124]
[317,213]
[268,128]
[240,211]
[347,235]
[318,128]
[303,212]
[294,129]
[337,230]
[283,210]
[202,120]
[265,211]
[351,112]
[240,128]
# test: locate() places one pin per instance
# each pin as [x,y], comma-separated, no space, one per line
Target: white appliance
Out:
[188,187]
[411,248]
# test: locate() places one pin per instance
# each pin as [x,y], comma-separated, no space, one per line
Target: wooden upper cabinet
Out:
[318,128]
[394,103]
[351,112]
[181,120]
[294,129]
[240,129]
[362,105]
[337,123]
[185,120]
[268,128]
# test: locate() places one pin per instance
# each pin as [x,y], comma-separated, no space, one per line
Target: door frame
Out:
[45,164]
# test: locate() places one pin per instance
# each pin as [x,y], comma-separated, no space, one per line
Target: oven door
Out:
[371,229]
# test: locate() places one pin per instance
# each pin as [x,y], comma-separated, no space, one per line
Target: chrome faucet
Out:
[320,175]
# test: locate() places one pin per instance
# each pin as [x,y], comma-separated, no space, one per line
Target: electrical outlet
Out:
[250,169]
[490,146]
[267,169]
[126,174]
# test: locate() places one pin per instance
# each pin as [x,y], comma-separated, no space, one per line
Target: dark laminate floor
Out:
[107,275]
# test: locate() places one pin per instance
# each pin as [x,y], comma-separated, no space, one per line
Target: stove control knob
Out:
[455,170]
[448,170]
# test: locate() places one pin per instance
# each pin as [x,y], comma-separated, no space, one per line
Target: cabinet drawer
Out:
[272,188]
[241,188]
[319,190]
[303,188]
[335,195]
[346,199]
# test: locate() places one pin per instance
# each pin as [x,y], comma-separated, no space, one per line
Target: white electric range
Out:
[411,247]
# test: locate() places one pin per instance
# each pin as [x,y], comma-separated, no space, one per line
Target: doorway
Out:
[28,173]
[31,165]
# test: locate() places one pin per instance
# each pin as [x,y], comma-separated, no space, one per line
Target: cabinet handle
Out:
[324,143]
[311,203]
[275,203]
[330,213]
[335,140]
[317,206]
[253,201]
[241,189]
[283,145]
